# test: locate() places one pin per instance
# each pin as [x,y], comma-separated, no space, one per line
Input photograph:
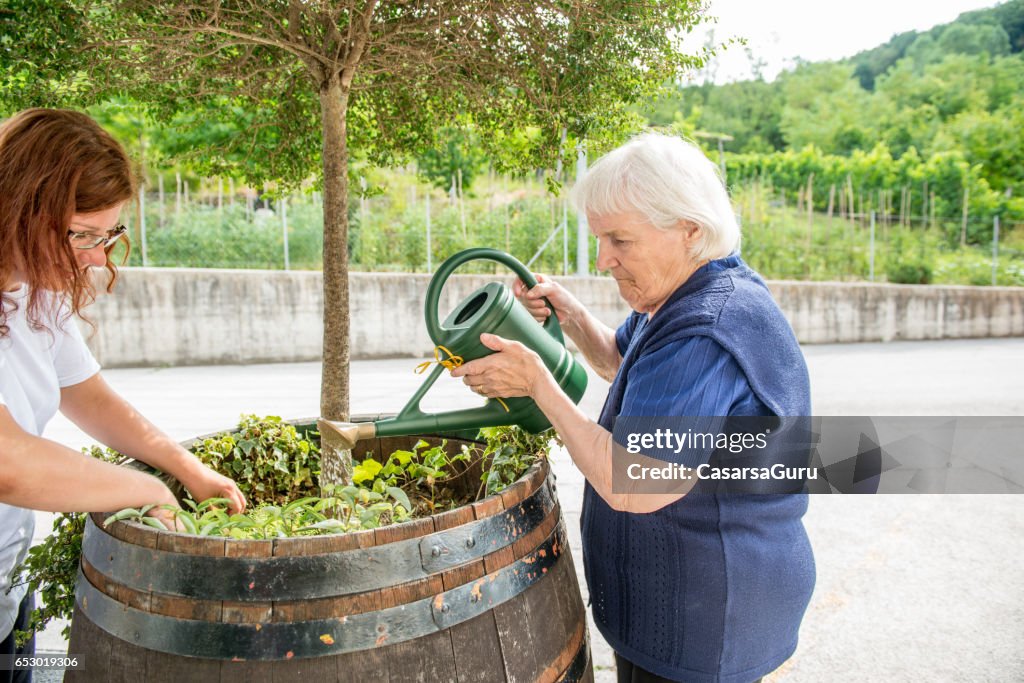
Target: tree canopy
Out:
[284,89]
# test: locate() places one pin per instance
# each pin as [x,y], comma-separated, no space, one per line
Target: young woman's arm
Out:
[101,412]
[40,474]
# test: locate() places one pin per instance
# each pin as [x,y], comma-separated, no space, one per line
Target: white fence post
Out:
[582,229]
[872,249]
[995,248]
[430,249]
[283,204]
[142,223]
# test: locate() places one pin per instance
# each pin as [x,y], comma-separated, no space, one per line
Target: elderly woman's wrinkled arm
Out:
[518,371]
[595,340]
[590,446]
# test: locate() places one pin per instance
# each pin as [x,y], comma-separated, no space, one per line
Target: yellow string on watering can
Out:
[451,362]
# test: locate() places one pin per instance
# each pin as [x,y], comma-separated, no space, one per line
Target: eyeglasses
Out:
[88,240]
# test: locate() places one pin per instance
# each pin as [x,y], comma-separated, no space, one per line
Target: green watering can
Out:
[492,308]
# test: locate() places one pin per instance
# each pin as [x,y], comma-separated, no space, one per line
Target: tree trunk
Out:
[334,387]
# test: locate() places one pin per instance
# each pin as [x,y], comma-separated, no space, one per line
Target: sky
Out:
[778,31]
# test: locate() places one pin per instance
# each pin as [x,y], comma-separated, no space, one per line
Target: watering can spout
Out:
[345,435]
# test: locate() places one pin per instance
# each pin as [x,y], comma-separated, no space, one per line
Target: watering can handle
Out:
[455,260]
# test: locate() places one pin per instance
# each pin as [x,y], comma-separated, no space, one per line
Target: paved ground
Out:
[909,588]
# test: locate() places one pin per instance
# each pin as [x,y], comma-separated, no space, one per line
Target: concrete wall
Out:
[170,316]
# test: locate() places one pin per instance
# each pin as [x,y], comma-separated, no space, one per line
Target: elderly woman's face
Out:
[647,263]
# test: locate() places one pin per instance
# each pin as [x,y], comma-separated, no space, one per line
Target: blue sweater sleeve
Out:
[692,376]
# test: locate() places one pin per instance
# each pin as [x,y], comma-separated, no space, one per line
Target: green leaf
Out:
[154,522]
[208,528]
[400,496]
[403,457]
[295,505]
[127,513]
[214,502]
[366,471]
[241,521]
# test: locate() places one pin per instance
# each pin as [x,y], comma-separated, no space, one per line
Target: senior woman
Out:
[63,184]
[701,587]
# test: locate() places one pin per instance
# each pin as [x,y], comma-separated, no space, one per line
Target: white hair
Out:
[668,180]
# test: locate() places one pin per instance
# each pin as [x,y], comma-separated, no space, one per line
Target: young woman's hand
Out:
[204,483]
[164,499]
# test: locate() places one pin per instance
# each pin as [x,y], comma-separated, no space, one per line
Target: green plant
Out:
[426,476]
[972,266]
[271,461]
[348,508]
[510,451]
[52,566]
[909,272]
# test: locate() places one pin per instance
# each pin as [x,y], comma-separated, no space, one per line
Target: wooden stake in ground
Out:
[924,205]
[849,196]
[160,194]
[963,223]
[177,199]
[810,224]
[903,207]
[462,205]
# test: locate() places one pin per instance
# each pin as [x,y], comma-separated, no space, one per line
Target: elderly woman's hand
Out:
[514,371]
[567,307]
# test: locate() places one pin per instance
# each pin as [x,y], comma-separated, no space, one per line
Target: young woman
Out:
[63,184]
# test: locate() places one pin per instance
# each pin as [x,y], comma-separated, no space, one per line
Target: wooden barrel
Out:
[486,592]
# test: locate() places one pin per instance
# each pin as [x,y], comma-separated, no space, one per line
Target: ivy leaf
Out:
[403,457]
[366,471]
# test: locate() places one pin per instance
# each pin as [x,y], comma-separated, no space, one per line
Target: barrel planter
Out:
[486,592]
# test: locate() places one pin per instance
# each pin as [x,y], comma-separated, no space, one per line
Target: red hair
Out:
[54,163]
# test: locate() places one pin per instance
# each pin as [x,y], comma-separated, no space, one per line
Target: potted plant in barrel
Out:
[430,544]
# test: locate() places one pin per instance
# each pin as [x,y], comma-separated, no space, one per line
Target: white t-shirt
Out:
[34,366]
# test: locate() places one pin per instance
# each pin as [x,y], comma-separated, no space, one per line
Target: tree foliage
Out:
[284,89]
[946,101]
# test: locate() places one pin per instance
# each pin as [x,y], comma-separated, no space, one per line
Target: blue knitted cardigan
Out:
[713,587]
